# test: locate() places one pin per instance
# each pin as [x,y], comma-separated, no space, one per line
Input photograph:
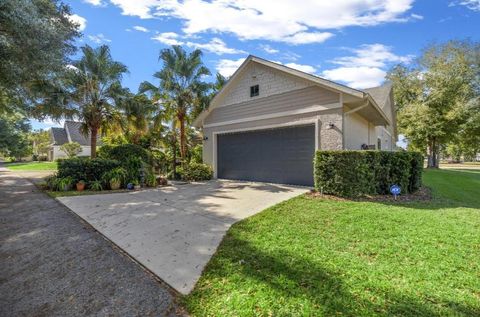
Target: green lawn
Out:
[32,166]
[312,257]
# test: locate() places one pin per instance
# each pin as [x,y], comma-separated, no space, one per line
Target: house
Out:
[71,132]
[268,120]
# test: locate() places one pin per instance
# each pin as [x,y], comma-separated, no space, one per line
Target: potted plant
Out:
[130,185]
[65,183]
[80,185]
[96,185]
[115,177]
[136,184]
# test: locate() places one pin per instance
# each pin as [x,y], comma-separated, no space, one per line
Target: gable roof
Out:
[58,136]
[380,94]
[325,83]
[71,132]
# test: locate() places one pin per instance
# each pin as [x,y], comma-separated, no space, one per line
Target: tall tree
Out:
[181,83]
[89,92]
[432,96]
[14,129]
[36,38]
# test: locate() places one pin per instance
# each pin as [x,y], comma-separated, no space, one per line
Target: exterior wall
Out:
[57,153]
[288,102]
[357,131]
[386,137]
[327,138]
[270,81]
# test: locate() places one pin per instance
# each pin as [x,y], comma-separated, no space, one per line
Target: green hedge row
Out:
[85,169]
[357,173]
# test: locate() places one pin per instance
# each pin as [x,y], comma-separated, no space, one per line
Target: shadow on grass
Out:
[299,279]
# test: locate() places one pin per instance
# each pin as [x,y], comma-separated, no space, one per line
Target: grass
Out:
[32,166]
[313,257]
[56,194]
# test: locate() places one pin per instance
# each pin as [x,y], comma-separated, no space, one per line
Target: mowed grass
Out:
[32,166]
[312,257]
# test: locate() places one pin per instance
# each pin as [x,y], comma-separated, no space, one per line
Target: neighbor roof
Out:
[380,94]
[362,94]
[71,132]
[59,136]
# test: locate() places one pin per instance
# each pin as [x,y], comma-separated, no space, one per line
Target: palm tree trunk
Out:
[93,142]
[183,141]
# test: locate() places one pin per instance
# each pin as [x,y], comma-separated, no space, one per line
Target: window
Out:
[254,91]
[379,144]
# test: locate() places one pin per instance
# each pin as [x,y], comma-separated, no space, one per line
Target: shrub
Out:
[133,166]
[85,168]
[357,173]
[151,180]
[96,185]
[71,149]
[116,175]
[195,172]
[123,152]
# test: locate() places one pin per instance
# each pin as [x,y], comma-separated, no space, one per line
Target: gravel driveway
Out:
[54,264]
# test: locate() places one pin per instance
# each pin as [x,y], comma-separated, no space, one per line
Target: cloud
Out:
[99,38]
[168,38]
[97,3]
[366,67]
[216,46]
[304,68]
[80,21]
[268,49]
[140,28]
[284,21]
[473,5]
[227,67]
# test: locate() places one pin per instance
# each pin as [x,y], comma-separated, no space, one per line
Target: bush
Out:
[123,152]
[72,149]
[85,169]
[357,173]
[195,172]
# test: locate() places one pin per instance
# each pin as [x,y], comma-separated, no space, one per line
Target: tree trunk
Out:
[93,142]
[183,141]
[432,154]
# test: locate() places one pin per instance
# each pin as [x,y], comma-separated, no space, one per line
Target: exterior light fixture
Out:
[331,125]
[205,138]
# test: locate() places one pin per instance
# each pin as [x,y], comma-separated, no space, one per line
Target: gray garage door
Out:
[276,155]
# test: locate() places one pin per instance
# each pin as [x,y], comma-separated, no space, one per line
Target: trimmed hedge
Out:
[85,169]
[195,172]
[357,173]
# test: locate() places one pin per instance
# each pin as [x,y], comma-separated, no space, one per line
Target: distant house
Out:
[70,132]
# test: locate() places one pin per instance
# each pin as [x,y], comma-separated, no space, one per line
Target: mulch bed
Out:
[423,194]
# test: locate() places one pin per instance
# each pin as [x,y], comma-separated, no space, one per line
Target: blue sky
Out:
[350,41]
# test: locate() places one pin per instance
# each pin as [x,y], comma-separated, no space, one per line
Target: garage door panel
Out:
[276,155]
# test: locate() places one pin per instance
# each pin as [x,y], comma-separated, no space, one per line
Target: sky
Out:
[354,42]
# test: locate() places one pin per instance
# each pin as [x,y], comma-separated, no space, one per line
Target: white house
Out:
[70,132]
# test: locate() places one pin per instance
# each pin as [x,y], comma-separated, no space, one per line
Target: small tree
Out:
[71,149]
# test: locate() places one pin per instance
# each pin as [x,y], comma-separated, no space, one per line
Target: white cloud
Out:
[284,21]
[268,49]
[307,37]
[304,68]
[366,67]
[471,4]
[227,67]
[168,38]
[99,38]
[216,46]
[81,21]
[97,3]
[140,28]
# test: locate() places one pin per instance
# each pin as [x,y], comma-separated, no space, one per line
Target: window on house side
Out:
[254,91]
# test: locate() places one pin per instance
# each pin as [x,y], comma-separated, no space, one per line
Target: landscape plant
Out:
[72,149]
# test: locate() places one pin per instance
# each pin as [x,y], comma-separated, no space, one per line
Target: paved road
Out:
[54,264]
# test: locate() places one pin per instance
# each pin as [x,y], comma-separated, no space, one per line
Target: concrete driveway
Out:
[175,230]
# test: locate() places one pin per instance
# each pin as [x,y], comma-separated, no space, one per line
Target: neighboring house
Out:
[268,120]
[70,132]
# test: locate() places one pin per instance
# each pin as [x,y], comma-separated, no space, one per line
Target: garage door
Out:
[276,155]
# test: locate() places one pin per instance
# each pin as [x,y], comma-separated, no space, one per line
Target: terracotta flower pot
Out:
[80,186]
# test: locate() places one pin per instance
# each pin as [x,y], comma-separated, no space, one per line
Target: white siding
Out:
[57,153]
[270,82]
[356,132]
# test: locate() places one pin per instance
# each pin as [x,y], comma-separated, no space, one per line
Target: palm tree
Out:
[88,91]
[181,85]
